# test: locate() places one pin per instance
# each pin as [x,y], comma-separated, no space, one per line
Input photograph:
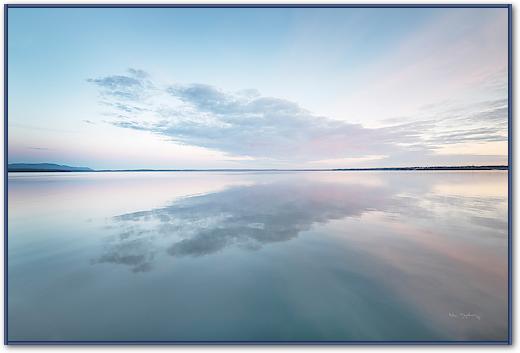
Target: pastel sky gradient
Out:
[257,88]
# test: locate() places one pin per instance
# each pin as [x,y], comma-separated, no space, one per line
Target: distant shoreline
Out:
[434,168]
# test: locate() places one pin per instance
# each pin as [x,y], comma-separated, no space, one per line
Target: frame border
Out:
[508,341]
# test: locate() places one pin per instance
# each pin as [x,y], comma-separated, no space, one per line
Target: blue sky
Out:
[254,88]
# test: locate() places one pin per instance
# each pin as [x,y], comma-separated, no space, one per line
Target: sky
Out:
[257,88]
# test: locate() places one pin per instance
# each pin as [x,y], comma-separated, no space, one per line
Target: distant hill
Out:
[44,167]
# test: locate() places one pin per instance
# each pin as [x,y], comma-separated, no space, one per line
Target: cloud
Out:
[481,122]
[131,87]
[245,123]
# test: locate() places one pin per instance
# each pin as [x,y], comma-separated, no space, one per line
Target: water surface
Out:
[293,256]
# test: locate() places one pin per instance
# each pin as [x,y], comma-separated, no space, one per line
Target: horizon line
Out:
[33,167]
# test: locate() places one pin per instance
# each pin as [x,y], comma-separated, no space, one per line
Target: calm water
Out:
[258,256]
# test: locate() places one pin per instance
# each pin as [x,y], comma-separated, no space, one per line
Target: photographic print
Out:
[257,174]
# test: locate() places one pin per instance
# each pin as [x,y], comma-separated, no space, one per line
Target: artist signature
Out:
[464,316]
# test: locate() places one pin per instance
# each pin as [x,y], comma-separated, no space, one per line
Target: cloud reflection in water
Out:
[245,216]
